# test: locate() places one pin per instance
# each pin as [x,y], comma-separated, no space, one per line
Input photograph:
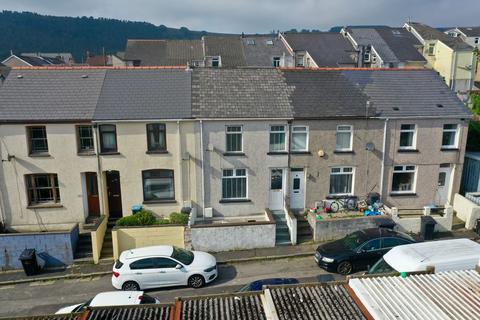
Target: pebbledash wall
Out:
[53,248]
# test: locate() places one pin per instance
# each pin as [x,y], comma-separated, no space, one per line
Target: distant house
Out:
[321,49]
[116,60]
[385,47]
[471,35]
[266,50]
[35,60]
[451,57]
[4,70]
[96,60]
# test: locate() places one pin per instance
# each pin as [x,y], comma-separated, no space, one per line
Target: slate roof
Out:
[328,49]
[39,61]
[145,94]
[50,95]
[143,312]
[240,93]
[314,302]
[470,31]
[429,33]
[244,306]
[260,53]
[394,45]
[229,48]
[440,296]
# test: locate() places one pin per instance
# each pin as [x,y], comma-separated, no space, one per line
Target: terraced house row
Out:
[80,142]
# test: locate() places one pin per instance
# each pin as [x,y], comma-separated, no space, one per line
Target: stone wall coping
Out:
[33,233]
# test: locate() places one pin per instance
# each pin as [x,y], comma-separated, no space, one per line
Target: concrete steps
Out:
[304,231]
[107,249]
[84,247]
[457,223]
[282,235]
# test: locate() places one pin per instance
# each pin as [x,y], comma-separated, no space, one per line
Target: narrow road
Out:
[47,297]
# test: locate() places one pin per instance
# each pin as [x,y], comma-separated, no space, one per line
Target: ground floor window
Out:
[42,188]
[234,184]
[158,184]
[403,179]
[341,181]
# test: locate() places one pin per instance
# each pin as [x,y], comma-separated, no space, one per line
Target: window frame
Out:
[307,131]
[270,132]
[404,170]
[217,62]
[431,49]
[102,148]
[456,131]
[31,152]
[30,185]
[234,133]
[350,148]
[158,130]
[342,172]
[276,61]
[234,175]
[79,138]
[414,137]
[159,172]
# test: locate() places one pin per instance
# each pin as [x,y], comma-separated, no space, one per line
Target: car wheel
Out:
[345,267]
[130,286]
[196,281]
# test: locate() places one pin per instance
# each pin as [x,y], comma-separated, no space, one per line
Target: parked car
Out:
[443,255]
[163,266]
[258,285]
[358,250]
[112,298]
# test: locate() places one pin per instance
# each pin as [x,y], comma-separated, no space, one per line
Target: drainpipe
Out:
[180,164]
[101,190]
[287,184]
[382,172]
[203,169]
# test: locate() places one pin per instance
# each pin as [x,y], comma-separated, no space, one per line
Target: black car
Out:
[258,285]
[358,250]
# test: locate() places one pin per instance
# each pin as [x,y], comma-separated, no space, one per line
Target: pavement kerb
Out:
[103,273]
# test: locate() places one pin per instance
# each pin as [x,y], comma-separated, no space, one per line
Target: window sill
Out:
[45,206]
[403,194]
[450,149]
[233,154]
[234,200]
[300,152]
[341,196]
[277,153]
[159,201]
[408,151]
[156,152]
[115,153]
[40,155]
[86,153]
[344,152]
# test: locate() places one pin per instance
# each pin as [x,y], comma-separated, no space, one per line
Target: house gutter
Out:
[203,168]
[382,172]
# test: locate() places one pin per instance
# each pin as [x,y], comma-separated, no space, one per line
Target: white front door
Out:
[297,189]
[443,186]
[276,189]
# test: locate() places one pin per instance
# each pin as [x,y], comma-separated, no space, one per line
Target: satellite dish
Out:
[370,146]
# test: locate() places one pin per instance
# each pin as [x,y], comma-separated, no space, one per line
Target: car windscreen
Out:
[182,255]
[83,306]
[381,266]
[353,240]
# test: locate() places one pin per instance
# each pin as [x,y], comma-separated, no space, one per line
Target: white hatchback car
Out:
[112,298]
[163,266]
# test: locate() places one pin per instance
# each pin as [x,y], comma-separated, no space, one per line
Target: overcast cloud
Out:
[261,16]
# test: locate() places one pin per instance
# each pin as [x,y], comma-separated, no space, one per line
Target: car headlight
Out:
[210,269]
[325,259]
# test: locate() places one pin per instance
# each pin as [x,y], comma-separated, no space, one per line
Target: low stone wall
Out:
[54,249]
[336,228]
[467,210]
[124,238]
[413,224]
[97,236]
[231,236]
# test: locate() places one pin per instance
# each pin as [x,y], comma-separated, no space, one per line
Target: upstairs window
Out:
[156,137]
[234,184]
[407,136]
[269,42]
[85,139]
[431,49]
[234,139]
[251,42]
[276,62]
[344,138]
[42,189]
[108,138]
[299,138]
[277,138]
[449,137]
[215,62]
[403,179]
[299,61]
[476,40]
[158,185]
[37,138]
[341,181]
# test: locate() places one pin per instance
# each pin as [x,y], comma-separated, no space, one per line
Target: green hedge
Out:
[148,218]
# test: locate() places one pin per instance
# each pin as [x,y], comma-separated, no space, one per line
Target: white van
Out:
[443,255]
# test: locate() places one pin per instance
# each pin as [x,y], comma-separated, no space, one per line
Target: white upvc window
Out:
[276,62]
[299,138]
[404,179]
[408,136]
[476,41]
[277,138]
[234,139]
[344,138]
[450,136]
[234,184]
[431,49]
[341,181]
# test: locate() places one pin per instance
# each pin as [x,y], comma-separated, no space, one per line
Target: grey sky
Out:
[261,15]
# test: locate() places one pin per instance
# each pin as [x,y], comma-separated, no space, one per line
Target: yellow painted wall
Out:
[131,238]
[443,61]
[97,239]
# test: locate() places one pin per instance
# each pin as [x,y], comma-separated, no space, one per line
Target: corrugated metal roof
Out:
[145,312]
[75,316]
[445,295]
[314,302]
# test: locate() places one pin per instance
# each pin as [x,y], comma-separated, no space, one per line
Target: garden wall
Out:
[467,210]
[97,236]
